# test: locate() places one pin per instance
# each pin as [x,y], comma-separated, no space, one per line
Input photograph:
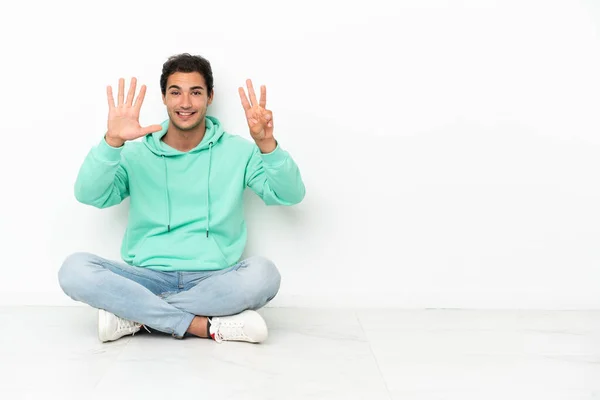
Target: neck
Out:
[184,140]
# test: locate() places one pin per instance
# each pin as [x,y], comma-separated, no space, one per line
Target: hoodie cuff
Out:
[274,158]
[106,152]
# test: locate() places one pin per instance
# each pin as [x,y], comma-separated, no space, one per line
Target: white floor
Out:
[53,352]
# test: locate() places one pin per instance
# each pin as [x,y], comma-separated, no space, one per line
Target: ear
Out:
[210,98]
[164,100]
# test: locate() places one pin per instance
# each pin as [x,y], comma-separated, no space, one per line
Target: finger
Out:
[151,129]
[269,118]
[263,96]
[131,91]
[121,91]
[251,92]
[109,95]
[244,99]
[140,99]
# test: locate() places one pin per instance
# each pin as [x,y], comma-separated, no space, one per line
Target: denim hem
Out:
[183,325]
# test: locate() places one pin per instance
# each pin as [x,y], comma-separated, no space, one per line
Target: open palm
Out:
[123,118]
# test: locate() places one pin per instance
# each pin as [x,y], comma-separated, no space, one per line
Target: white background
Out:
[449,148]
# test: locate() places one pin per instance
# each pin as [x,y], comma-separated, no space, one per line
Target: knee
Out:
[69,274]
[267,276]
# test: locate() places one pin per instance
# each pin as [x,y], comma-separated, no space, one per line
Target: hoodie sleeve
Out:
[275,177]
[102,181]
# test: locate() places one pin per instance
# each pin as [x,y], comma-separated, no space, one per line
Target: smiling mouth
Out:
[185,113]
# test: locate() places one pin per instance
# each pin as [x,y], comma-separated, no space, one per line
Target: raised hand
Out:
[123,118]
[260,120]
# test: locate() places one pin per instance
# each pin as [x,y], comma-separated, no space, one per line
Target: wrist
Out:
[267,145]
[113,142]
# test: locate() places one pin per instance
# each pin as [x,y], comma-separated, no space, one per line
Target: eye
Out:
[196,93]
[174,93]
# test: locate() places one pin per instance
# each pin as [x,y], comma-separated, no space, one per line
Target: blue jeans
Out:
[168,301]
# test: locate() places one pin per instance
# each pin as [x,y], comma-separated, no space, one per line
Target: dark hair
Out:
[186,63]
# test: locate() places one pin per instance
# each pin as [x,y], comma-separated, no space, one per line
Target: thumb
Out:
[151,129]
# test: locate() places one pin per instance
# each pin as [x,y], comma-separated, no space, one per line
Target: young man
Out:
[182,273]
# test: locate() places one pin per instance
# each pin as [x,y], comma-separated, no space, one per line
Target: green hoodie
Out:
[186,208]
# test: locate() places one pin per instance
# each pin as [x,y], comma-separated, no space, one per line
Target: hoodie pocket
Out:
[189,250]
[211,237]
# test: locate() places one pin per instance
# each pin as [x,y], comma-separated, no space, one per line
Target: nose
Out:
[186,101]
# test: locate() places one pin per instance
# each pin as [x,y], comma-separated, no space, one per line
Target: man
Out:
[182,272]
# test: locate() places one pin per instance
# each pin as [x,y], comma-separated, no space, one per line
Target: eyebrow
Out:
[192,88]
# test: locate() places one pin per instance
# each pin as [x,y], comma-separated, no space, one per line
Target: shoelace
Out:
[227,330]
[129,326]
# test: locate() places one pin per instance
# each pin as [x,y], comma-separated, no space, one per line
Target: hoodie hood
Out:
[213,133]
[153,142]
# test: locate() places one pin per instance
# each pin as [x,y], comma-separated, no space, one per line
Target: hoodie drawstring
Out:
[167,195]
[207,189]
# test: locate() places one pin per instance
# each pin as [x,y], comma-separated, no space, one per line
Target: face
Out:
[186,99]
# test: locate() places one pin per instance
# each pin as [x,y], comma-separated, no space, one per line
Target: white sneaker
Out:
[247,326]
[111,327]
